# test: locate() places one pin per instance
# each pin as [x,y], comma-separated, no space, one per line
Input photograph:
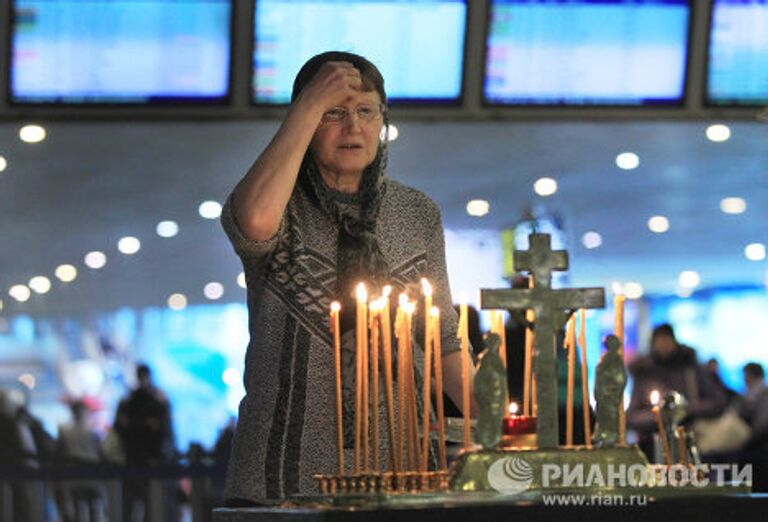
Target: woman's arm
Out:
[261,197]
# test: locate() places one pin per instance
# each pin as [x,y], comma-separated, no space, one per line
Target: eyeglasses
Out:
[364,113]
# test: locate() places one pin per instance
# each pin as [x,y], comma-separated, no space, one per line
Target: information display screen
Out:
[417,45]
[120,51]
[582,52]
[738,53]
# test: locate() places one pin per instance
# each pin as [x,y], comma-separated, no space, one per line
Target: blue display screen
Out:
[120,51]
[418,46]
[555,52]
[738,53]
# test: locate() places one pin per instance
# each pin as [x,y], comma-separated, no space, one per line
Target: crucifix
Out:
[552,307]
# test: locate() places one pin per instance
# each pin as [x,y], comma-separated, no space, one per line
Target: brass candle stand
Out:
[386,483]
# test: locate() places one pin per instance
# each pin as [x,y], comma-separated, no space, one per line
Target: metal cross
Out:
[540,260]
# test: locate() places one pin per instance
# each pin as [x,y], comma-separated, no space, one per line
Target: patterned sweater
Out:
[286,430]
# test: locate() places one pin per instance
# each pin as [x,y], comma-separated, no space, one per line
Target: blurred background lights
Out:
[591,240]
[545,186]
[755,251]
[167,228]
[177,301]
[66,273]
[20,292]
[32,134]
[241,279]
[231,377]
[658,224]
[633,290]
[1,305]
[3,163]
[389,133]
[128,245]
[627,160]
[718,133]
[733,205]
[40,284]
[478,207]
[213,290]
[210,209]
[28,380]
[95,259]
[689,279]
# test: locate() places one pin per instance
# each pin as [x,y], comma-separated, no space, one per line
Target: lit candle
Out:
[361,337]
[584,377]
[619,332]
[375,322]
[413,423]
[570,346]
[335,331]
[463,334]
[518,430]
[401,389]
[386,339]
[528,396]
[660,425]
[497,327]
[426,398]
[438,354]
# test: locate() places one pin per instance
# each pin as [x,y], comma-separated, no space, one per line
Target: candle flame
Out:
[377,304]
[655,396]
[513,408]
[426,288]
[434,311]
[335,306]
[362,293]
[410,307]
[403,300]
[386,291]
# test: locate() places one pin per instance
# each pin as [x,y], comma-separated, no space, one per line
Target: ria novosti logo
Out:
[510,475]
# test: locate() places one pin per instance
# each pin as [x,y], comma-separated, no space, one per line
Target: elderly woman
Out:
[313,216]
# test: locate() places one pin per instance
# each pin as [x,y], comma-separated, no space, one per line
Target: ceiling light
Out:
[3,163]
[210,209]
[95,259]
[689,279]
[627,160]
[28,380]
[733,205]
[213,290]
[65,273]
[591,240]
[231,377]
[633,290]
[755,251]
[40,284]
[32,133]
[545,186]
[658,224]
[241,279]
[129,245]
[19,292]
[718,133]
[177,301]
[389,133]
[167,228]
[478,207]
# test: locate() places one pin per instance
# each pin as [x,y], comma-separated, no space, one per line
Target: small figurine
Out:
[610,380]
[491,393]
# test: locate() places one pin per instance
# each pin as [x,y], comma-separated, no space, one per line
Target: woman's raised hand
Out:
[333,84]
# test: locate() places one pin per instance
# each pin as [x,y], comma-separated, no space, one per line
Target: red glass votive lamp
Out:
[518,431]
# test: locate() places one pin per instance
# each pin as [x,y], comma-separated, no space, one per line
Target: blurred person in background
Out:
[670,366]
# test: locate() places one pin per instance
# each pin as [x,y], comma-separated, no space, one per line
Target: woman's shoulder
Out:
[404,196]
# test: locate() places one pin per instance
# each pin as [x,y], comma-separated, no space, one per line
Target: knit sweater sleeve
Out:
[438,275]
[254,254]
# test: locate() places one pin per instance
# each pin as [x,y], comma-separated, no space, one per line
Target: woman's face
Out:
[348,146]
